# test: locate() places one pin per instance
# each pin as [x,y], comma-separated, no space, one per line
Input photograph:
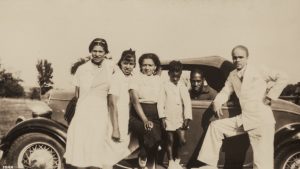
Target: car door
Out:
[201,117]
[235,152]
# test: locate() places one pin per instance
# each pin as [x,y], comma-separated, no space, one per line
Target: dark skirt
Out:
[148,139]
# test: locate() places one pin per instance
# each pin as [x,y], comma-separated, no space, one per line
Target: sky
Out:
[61,30]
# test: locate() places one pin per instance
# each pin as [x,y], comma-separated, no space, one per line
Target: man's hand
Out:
[267,101]
[164,123]
[218,109]
[115,135]
[185,124]
[148,125]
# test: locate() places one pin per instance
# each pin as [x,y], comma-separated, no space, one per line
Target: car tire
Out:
[288,157]
[35,150]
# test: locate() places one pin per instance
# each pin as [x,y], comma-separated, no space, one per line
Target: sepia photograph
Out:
[139,84]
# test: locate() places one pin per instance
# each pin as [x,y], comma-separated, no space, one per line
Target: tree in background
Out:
[10,85]
[45,71]
[35,93]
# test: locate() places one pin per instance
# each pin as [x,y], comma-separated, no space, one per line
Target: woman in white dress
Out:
[88,128]
[119,103]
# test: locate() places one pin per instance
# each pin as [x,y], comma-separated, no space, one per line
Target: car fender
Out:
[287,134]
[39,124]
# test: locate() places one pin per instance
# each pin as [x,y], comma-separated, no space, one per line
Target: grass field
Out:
[11,109]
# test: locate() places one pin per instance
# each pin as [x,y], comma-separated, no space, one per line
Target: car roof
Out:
[216,68]
[215,61]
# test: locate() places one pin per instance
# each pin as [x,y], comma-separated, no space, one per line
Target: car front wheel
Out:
[36,150]
[288,157]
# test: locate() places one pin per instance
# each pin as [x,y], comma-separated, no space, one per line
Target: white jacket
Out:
[174,102]
[256,85]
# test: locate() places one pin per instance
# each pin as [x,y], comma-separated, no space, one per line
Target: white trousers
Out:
[261,140]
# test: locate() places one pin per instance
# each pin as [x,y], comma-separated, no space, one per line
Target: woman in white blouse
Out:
[144,92]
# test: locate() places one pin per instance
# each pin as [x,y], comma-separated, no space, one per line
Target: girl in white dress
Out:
[119,103]
[88,128]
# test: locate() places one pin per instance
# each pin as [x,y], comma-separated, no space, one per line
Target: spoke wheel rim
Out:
[293,162]
[39,154]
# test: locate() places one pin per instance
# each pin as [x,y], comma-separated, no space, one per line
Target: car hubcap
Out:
[293,162]
[39,155]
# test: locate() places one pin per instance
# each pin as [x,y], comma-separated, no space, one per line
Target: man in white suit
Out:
[256,88]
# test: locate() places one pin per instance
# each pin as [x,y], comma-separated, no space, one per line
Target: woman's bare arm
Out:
[77,92]
[112,106]
[136,104]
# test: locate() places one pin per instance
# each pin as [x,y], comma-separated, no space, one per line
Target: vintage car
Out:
[41,140]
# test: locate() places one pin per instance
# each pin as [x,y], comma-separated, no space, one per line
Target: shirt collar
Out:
[95,65]
[205,90]
[240,73]
[119,71]
[179,84]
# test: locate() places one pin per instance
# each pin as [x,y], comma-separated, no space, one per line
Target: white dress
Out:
[88,128]
[116,151]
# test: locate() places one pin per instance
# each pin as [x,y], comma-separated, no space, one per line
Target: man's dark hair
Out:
[175,66]
[197,70]
[127,55]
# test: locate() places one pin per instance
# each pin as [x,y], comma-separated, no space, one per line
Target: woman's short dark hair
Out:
[101,42]
[127,55]
[154,58]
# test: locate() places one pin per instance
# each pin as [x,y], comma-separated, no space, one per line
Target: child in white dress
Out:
[175,111]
